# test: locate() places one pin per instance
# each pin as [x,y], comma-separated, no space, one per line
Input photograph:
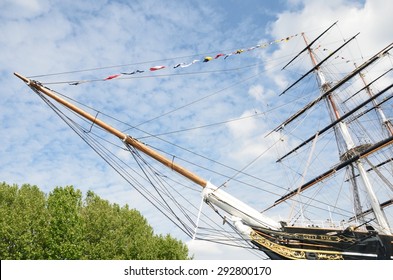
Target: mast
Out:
[385,121]
[331,89]
[353,157]
[340,119]
[316,66]
[343,135]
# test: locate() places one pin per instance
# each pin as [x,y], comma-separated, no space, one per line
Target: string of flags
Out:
[185,65]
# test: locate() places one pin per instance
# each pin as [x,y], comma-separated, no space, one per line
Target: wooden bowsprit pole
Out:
[124,137]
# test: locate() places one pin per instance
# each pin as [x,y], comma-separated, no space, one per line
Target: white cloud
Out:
[14,9]
[371,19]
[257,92]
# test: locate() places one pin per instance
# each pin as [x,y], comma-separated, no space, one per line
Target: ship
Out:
[357,107]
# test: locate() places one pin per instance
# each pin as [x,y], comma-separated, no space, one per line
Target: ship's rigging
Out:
[359,157]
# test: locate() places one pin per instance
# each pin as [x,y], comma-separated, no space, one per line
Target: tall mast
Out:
[385,121]
[347,146]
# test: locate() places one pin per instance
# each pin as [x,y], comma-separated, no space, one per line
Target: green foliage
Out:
[23,222]
[62,225]
[65,236]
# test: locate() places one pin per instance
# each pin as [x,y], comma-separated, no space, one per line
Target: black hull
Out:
[302,243]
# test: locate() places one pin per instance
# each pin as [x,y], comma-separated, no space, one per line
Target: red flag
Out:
[112,77]
[155,68]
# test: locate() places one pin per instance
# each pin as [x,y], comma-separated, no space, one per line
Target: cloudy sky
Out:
[41,37]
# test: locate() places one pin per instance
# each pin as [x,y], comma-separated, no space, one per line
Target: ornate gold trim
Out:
[311,236]
[291,253]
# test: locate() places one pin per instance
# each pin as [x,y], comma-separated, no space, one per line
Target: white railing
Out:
[329,224]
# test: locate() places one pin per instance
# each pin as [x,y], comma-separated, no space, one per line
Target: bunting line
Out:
[205,59]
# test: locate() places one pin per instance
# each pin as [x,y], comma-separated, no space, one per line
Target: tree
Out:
[23,222]
[62,225]
[65,222]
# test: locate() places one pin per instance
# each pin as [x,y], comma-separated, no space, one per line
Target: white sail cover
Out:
[237,208]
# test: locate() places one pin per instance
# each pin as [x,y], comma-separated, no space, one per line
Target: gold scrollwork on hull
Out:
[334,239]
[324,256]
[291,253]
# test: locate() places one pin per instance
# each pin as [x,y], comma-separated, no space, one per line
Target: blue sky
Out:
[42,37]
